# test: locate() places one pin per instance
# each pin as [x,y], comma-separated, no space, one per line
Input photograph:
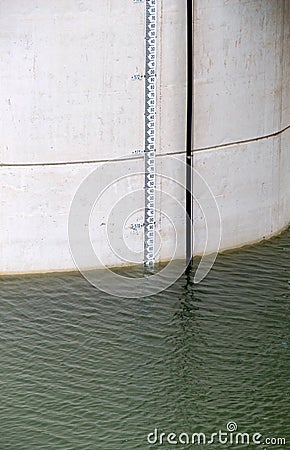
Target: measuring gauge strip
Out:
[150,138]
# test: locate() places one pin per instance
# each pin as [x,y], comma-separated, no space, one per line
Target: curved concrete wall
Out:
[68,103]
[66,89]
[242,110]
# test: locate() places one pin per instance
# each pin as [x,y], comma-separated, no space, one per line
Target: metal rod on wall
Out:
[189,118]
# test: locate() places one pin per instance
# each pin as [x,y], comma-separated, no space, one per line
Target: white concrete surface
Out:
[251,185]
[241,70]
[66,88]
[66,96]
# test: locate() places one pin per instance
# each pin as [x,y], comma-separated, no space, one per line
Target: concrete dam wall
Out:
[75,118]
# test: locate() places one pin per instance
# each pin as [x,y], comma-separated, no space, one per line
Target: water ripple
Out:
[82,370]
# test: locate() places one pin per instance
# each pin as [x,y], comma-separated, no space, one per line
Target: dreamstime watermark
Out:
[229,437]
[105,221]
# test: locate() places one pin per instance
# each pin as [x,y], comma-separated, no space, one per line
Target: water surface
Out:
[82,370]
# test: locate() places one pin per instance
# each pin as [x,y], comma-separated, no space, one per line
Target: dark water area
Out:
[80,369]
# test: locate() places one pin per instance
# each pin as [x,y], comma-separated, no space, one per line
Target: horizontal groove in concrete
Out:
[129,158]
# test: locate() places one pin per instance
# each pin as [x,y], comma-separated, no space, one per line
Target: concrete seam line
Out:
[245,141]
[179,152]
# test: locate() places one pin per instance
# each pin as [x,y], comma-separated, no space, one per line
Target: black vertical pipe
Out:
[189,117]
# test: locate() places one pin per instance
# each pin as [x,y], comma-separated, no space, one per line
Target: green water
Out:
[82,370]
